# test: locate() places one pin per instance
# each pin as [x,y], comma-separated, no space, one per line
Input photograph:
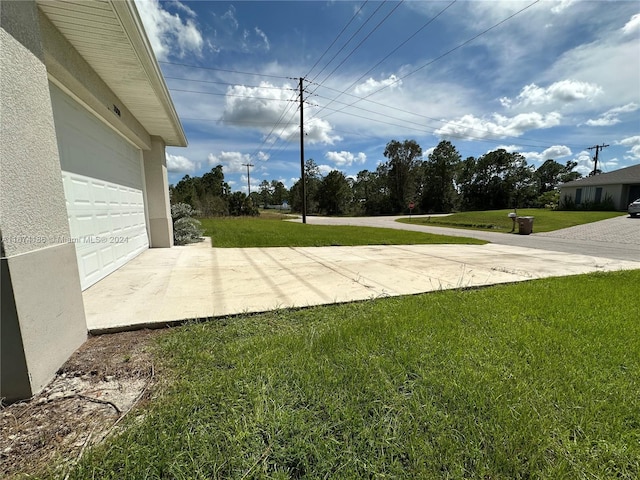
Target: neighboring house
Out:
[85,118]
[622,186]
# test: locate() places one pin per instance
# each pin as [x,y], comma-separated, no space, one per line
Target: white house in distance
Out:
[85,118]
[622,186]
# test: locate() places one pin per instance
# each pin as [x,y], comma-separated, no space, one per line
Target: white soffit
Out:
[109,35]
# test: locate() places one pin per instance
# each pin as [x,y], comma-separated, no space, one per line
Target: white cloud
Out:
[561,6]
[634,143]
[180,164]
[231,36]
[630,141]
[263,157]
[168,33]
[325,169]
[554,152]
[183,7]
[470,127]
[371,85]
[611,117]
[319,131]
[508,148]
[585,163]
[611,62]
[263,36]
[230,17]
[316,131]
[255,105]
[232,162]
[345,159]
[562,92]
[506,102]
[632,26]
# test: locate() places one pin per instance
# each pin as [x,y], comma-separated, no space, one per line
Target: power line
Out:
[396,48]
[448,52]
[226,94]
[422,128]
[363,40]
[225,70]
[232,122]
[355,15]
[350,38]
[230,84]
[278,122]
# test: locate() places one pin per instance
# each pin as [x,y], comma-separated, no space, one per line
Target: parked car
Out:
[634,208]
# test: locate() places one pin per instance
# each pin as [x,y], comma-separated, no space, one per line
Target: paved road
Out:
[616,238]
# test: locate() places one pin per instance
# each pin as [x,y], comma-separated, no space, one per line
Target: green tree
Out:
[334,193]
[439,193]
[465,183]
[279,192]
[265,193]
[185,191]
[213,182]
[404,160]
[208,193]
[496,180]
[240,204]
[569,174]
[313,177]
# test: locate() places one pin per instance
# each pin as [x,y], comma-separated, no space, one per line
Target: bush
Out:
[185,228]
[548,200]
[183,210]
[606,205]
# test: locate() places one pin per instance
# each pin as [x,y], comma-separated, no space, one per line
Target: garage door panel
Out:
[89,264]
[106,237]
[100,196]
[108,256]
[104,224]
[84,226]
[103,184]
[80,194]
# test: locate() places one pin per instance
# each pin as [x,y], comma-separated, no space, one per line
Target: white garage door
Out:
[102,178]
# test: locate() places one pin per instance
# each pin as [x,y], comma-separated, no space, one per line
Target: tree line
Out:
[440,183]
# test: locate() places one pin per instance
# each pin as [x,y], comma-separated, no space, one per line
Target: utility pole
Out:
[595,159]
[248,165]
[303,177]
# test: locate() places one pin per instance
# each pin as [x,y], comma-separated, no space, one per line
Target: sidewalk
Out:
[164,286]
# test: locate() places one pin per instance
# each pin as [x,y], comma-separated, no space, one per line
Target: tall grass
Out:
[532,380]
[270,232]
[498,221]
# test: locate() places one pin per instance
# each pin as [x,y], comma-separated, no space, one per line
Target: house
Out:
[86,116]
[622,186]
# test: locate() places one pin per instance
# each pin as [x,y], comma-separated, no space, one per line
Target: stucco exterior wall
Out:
[32,202]
[43,320]
[157,195]
[42,312]
[616,192]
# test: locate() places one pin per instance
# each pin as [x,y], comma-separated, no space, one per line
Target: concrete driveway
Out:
[163,286]
[617,237]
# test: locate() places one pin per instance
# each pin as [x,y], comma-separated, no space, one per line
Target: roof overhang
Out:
[110,37]
[624,176]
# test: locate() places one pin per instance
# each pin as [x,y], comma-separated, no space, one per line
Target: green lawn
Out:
[531,380]
[498,221]
[273,232]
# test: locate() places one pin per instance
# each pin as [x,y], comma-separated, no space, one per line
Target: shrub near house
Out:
[186,229]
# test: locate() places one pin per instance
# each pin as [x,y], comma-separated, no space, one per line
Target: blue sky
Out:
[547,81]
